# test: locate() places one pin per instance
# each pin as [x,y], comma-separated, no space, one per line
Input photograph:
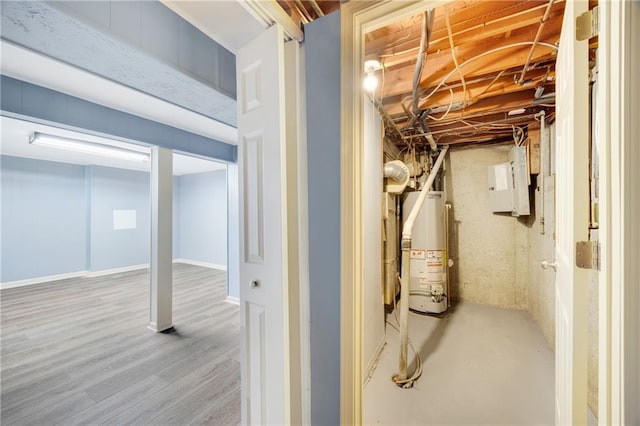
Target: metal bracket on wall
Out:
[587,24]
[588,255]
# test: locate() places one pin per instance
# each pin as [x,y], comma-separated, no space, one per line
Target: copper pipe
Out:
[543,21]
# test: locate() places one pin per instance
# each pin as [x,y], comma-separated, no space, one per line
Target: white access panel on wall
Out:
[509,184]
[500,187]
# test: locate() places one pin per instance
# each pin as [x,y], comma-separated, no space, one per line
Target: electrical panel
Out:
[509,184]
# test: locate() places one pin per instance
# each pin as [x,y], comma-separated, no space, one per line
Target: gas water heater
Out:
[428,274]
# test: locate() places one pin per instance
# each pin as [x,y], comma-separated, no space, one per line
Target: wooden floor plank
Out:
[78,351]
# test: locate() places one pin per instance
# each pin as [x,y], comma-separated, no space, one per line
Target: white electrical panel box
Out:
[509,184]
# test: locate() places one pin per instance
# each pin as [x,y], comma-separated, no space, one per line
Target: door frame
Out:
[620,269]
[357,19]
[617,137]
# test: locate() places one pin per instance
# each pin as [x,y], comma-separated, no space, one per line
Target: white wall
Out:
[372,212]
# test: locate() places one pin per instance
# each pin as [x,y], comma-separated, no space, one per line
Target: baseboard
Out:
[40,280]
[233,300]
[103,272]
[203,264]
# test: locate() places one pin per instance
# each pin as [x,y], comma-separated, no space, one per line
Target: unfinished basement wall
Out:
[490,256]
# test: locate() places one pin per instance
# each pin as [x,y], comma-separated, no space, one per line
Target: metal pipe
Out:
[543,161]
[316,7]
[396,170]
[543,21]
[447,211]
[406,267]
[427,21]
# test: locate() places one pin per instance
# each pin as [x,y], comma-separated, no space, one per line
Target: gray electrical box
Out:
[509,184]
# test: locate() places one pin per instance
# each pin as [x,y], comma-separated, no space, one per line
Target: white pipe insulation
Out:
[401,378]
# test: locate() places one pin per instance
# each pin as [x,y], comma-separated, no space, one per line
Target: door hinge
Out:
[587,24]
[588,255]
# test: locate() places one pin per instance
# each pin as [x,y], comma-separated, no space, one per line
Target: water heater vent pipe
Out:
[396,170]
[401,378]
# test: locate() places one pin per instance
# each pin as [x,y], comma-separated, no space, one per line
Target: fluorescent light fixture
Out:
[52,141]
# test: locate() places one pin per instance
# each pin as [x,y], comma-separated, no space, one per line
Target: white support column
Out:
[161,239]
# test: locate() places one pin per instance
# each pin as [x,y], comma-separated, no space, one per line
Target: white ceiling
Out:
[15,142]
[227,22]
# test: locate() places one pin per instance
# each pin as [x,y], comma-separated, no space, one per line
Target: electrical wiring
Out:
[455,59]
[481,55]
[443,116]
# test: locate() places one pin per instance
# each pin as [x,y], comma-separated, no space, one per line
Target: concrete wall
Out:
[490,257]
[374,335]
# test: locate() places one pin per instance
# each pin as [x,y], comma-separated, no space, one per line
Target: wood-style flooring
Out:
[78,351]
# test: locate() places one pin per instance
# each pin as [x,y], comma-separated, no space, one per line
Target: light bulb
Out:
[370,82]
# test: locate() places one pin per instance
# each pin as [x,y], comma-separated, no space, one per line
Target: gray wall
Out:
[322,43]
[44,218]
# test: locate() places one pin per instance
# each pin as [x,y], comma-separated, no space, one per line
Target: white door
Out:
[572,217]
[263,259]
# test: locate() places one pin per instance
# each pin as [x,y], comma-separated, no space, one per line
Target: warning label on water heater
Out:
[417,254]
[434,256]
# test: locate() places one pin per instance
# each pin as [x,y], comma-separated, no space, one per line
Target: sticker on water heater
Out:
[434,256]
[417,254]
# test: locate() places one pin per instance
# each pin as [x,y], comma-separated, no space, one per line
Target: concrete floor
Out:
[482,366]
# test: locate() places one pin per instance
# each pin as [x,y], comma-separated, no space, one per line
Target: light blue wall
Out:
[203,217]
[44,218]
[36,103]
[118,189]
[58,218]
[322,44]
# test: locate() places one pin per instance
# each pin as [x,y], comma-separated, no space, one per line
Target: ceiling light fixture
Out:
[370,82]
[52,141]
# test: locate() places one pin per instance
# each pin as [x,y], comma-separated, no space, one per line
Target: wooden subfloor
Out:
[78,351]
